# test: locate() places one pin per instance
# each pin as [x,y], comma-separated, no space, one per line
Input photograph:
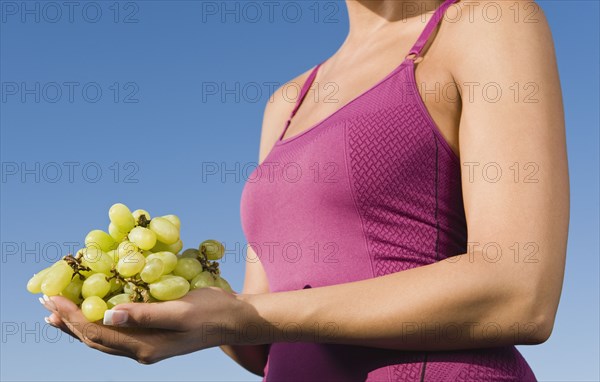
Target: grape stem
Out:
[75,263]
[143,221]
[210,266]
[140,291]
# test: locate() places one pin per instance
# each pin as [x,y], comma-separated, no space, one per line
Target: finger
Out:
[160,315]
[97,336]
[55,320]
[59,304]
[47,303]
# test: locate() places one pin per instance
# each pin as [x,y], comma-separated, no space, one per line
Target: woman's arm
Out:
[522,212]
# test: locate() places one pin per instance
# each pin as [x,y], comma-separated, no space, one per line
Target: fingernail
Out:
[47,302]
[47,319]
[115,317]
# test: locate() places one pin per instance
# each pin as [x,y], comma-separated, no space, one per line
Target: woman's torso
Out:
[374,188]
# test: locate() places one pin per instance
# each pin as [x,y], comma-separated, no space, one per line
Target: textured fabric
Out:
[371,190]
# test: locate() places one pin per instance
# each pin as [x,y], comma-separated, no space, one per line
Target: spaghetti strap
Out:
[303,92]
[431,25]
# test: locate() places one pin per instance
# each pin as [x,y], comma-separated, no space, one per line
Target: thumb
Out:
[161,315]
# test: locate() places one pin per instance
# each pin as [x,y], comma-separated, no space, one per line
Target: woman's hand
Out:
[152,332]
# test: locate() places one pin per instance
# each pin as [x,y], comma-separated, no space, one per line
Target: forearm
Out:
[446,305]
[251,357]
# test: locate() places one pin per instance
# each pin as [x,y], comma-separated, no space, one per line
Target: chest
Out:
[337,86]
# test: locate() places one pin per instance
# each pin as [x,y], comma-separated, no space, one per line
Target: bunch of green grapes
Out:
[138,260]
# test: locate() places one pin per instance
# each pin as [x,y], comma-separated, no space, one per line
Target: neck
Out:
[366,17]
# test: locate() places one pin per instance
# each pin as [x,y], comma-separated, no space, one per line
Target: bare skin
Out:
[517,295]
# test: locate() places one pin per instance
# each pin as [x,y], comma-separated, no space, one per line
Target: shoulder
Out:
[493,12]
[490,38]
[277,111]
[490,21]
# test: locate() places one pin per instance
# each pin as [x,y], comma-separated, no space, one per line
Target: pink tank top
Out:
[371,190]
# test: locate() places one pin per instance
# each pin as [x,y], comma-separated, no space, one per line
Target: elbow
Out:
[534,299]
[541,329]
[538,321]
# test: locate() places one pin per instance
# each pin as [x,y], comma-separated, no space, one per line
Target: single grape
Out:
[203,280]
[169,287]
[121,217]
[152,271]
[191,253]
[223,284]
[213,249]
[95,285]
[137,213]
[187,268]
[97,260]
[115,285]
[93,308]
[57,278]
[128,288]
[35,283]
[173,248]
[165,231]
[100,239]
[131,264]
[125,248]
[73,290]
[169,260]
[115,300]
[142,237]
[173,219]
[114,232]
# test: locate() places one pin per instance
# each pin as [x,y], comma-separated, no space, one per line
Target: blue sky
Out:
[159,105]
